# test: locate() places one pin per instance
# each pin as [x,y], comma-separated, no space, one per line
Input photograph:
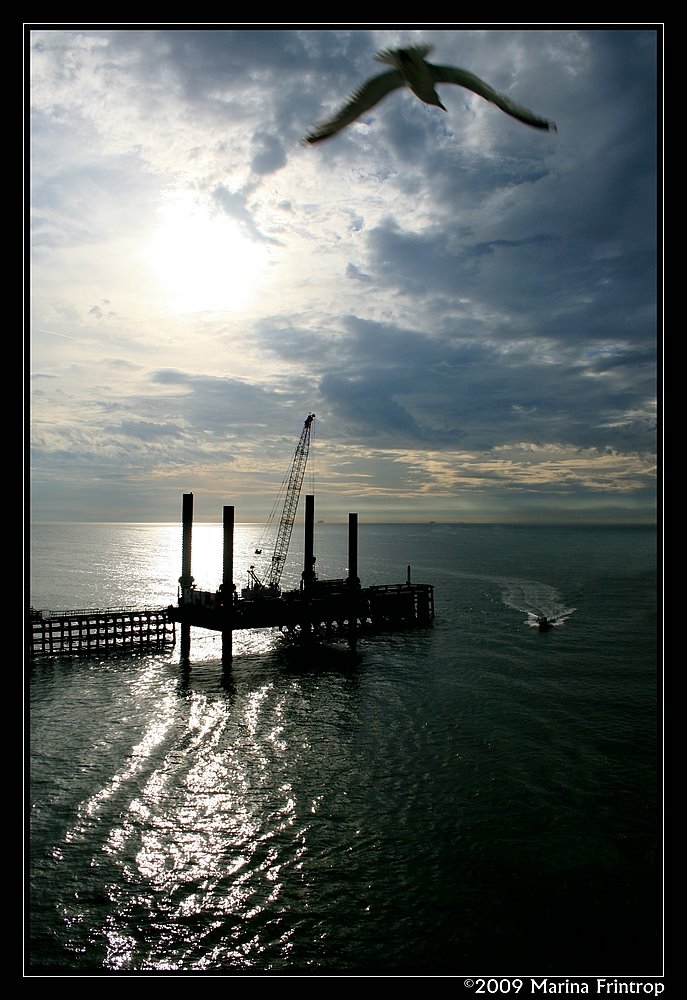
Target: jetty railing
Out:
[59,633]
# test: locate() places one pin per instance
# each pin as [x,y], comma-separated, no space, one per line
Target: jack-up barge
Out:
[319,610]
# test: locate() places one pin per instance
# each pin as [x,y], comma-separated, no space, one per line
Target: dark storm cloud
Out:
[381,380]
[143,430]
[234,205]
[290,73]
[223,405]
[366,405]
[269,154]
[354,272]
[539,281]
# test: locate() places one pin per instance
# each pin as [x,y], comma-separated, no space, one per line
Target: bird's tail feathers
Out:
[393,56]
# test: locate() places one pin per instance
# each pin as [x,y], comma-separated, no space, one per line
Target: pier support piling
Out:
[353,581]
[227,582]
[308,575]
[186,579]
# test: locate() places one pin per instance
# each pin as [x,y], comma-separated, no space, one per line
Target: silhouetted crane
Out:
[293,492]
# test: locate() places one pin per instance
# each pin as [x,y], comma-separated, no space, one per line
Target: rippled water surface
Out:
[472,797]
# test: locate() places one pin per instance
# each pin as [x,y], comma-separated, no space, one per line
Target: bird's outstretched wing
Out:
[392,56]
[453,74]
[360,101]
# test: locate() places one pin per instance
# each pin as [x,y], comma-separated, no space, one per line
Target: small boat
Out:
[544,624]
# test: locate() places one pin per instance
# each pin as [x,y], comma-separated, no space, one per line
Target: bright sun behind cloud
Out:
[203,261]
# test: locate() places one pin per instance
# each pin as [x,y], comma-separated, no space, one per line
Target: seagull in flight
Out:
[412,70]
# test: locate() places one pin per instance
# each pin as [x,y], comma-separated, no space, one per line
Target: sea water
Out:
[472,797]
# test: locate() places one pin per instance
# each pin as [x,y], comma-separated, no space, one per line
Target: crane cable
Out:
[312,481]
[287,498]
[268,527]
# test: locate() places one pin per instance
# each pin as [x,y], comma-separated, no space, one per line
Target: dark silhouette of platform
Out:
[320,610]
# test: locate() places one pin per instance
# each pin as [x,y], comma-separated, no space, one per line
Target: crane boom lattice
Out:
[288,516]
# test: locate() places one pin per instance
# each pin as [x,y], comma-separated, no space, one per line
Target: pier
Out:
[318,611]
[63,633]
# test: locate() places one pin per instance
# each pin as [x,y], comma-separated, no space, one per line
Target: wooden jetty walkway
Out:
[62,633]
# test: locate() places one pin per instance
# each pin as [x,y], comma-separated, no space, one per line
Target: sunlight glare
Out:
[203,261]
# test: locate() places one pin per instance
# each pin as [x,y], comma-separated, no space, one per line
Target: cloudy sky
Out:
[467,304]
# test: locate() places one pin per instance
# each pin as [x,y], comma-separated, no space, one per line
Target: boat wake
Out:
[538,601]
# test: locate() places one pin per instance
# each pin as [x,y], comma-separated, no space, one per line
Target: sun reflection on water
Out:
[138,758]
[198,833]
[203,835]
